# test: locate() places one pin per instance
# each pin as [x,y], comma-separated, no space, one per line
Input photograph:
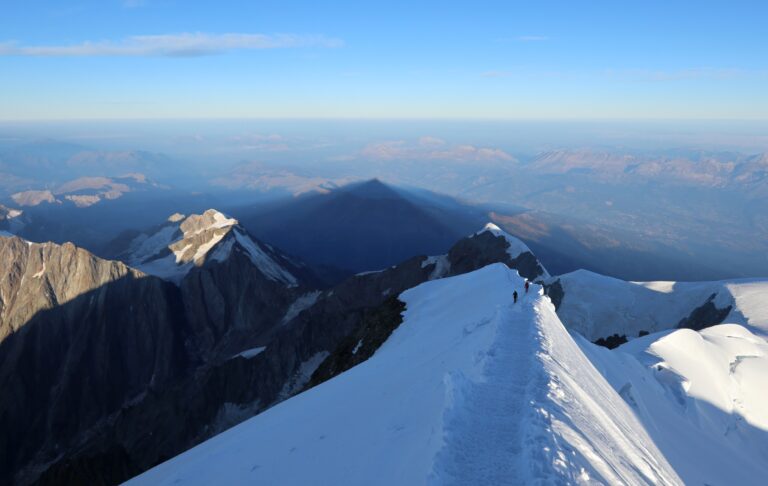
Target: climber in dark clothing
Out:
[527,284]
[514,296]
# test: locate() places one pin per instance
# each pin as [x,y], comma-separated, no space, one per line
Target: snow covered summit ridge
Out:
[173,249]
[516,246]
[469,389]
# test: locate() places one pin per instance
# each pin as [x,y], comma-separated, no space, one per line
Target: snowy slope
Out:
[702,397]
[182,243]
[470,389]
[598,306]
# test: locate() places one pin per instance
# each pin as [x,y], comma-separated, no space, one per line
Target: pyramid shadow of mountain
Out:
[360,227]
[72,365]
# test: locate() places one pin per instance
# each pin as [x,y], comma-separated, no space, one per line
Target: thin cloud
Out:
[172,45]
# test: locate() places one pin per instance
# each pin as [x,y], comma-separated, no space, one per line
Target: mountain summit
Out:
[171,250]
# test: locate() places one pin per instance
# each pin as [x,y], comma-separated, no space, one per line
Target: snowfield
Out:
[702,396]
[470,389]
[598,306]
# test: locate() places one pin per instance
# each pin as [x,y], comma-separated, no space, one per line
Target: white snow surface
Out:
[470,389]
[368,272]
[146,246]
[441,263]
[702,396]
[301,303]
[516,247]
[263,261]
[250,353]
[598,306]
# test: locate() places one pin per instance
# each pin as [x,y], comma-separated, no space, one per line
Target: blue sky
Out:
[465,60]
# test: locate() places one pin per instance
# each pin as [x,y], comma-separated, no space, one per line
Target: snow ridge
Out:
[469,389]
[541,417]
[484,419]
[516,247]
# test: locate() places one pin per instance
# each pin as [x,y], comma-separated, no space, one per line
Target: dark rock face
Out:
[82,340]
[705,315]
[229,310]
[376,327]
[485,248]
[555,292]
[82,336]
[612,342]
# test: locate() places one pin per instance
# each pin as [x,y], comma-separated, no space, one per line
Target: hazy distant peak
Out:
[176,217]
[33,198]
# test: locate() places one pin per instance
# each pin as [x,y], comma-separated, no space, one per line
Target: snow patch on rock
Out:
[442,266]
[264,262]
[304,373]
[301,303]
[250,353]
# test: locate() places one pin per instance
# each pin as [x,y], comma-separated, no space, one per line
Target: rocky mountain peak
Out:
[172,249]
[209,220]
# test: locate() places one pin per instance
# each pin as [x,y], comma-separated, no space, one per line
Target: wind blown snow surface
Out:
[702,396]
[470,389]
[598,306]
